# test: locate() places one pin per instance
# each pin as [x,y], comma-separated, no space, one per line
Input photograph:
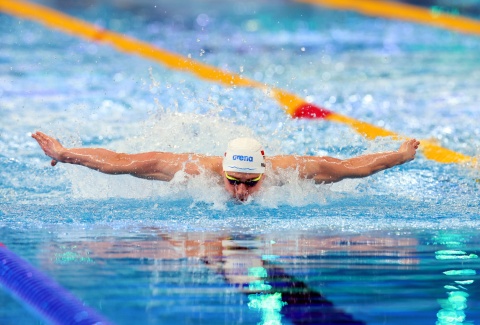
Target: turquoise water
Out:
[400,246]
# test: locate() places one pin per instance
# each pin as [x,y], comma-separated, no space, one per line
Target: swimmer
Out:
[243,168]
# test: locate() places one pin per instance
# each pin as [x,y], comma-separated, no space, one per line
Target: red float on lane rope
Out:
[310,111]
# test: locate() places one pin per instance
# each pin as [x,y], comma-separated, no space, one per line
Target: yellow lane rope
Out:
[401,11]
[292,104]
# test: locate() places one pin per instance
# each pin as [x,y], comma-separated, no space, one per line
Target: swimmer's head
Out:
[244,155]
[243,167]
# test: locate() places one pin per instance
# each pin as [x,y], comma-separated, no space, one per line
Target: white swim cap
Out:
[244,155]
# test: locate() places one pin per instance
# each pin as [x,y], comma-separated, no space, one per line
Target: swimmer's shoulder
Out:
[282,161]
[301,163]
[211,163]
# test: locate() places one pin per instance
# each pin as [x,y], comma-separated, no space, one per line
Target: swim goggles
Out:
[249,183]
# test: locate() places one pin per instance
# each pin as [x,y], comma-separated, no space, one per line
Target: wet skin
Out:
[163,166]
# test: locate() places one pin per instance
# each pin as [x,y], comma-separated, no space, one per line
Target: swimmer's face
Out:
[241,185]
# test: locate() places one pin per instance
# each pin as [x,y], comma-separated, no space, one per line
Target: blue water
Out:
[400,246]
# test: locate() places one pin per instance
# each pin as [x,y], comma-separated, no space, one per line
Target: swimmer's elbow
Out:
[117,165]
[349,171]
[329,178]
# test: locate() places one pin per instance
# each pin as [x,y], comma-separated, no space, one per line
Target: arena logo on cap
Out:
[242,158]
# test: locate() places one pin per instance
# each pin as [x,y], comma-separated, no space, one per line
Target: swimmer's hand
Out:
[409,149]
[50,146]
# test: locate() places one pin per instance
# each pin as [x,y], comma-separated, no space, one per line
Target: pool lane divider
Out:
[405,12]
[293,105]
[45,296]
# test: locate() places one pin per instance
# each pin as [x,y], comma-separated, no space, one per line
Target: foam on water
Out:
[414,184]
[183,132]
[404,77]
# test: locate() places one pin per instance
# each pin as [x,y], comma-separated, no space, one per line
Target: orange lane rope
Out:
[291,103]
[401,11]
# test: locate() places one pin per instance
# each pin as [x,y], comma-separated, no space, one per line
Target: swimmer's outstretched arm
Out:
[151,165]
[329,170]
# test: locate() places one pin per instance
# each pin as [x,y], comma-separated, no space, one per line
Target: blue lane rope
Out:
[50,300]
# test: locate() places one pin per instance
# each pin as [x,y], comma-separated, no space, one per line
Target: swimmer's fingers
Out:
[41,138]
[409,148]
[38,135]
[415,143]
[50,146]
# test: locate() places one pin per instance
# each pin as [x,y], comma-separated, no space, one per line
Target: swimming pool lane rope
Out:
[46,297]
[291,103]
[402,11]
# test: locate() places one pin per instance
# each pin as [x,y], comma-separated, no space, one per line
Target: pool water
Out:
[400,246]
